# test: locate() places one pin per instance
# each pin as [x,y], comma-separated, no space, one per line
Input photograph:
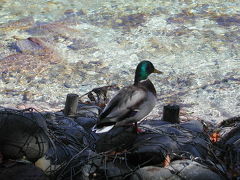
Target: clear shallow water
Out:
[80,45]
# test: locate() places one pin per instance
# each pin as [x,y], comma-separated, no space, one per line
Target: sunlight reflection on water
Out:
[196,44]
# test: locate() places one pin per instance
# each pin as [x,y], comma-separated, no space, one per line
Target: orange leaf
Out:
[167,161]
[214,137]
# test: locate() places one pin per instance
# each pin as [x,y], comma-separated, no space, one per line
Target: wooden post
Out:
[171,113]
[71,104]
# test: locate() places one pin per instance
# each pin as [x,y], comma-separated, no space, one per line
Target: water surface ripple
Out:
[51,48]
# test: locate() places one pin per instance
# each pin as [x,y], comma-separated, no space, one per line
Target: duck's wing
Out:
[123,105]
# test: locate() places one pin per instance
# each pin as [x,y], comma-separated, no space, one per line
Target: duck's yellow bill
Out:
[157,71]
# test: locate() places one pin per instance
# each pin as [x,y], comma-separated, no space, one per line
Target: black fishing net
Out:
[67,148]
[23,134]
[229,145]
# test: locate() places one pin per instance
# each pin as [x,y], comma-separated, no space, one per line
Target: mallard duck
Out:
[131,103]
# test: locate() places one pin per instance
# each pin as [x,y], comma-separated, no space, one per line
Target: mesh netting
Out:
[23,133]
[67,148]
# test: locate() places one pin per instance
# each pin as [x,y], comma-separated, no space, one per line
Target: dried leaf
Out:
[215,137]
[167,161]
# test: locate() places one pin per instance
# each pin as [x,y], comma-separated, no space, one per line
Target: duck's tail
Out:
[103,129]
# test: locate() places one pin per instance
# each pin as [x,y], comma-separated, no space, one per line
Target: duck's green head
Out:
[144,69]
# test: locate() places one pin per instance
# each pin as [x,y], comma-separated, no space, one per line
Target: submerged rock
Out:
[30,46]
[21,24]
[129,21]
[34,56]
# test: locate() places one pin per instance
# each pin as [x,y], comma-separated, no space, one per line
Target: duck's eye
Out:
[150,68]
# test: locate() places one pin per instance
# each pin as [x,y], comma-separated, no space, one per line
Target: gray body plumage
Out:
[129,105]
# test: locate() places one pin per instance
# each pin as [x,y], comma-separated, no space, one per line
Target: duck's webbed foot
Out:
[136,129]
